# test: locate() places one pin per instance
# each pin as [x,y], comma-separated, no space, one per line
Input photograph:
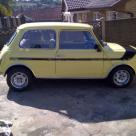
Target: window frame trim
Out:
[12,38]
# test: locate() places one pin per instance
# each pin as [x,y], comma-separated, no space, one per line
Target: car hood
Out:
[113,47]
[114,50]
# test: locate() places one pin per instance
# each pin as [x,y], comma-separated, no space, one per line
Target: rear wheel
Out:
[121,77]
[19,79]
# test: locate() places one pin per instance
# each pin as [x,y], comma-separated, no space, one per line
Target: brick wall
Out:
[43,14]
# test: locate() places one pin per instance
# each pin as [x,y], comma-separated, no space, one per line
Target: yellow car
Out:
[64,51]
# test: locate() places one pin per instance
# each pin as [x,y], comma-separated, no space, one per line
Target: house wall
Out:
[131,6]
[120,13]
[86,16]
[81,16]
[114,15]
[90,16]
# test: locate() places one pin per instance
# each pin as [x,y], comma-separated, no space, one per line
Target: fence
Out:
[121,31]
[118,31]
[11,22]
[8,26]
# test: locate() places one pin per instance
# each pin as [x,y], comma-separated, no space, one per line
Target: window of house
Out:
[77,40]
[84,17]
[75,17]
[79,17]
[39,39]
[96,15]
[114,15]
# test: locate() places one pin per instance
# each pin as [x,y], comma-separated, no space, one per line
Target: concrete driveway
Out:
[70,108]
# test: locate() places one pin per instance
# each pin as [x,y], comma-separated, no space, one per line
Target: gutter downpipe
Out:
[68,15]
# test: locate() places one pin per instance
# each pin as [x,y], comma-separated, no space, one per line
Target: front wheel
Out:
[121,77]
[19,79]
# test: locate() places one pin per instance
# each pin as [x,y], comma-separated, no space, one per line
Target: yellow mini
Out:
[64,51]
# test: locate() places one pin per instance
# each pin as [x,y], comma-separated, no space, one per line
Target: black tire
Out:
[129,72]
[11,83]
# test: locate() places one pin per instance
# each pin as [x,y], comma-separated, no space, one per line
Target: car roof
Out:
[61,25]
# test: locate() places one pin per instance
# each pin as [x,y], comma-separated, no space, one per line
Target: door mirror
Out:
[98,49]
[103,43]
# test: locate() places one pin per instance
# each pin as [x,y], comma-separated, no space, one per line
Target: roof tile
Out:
[94,4]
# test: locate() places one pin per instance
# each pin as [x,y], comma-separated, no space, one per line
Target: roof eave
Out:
[92,9]
[111,7]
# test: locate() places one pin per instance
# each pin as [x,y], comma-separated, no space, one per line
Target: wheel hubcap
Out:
[19,80]
[121,77]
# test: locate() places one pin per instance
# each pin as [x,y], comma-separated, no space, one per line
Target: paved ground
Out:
[70,108]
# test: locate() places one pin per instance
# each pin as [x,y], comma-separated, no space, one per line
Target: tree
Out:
[5,8]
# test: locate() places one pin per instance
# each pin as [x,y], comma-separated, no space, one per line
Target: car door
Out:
[37,50]
[78,55]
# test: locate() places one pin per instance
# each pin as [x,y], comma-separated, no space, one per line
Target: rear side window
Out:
[39,39]
[77,40]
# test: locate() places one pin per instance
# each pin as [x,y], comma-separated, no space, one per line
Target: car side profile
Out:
[64,51]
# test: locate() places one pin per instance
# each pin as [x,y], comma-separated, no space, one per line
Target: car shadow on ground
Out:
[82,100]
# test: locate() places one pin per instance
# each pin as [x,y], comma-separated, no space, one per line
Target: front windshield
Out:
[11,39]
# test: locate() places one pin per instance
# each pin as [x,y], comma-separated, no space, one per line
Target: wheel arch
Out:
[18,66]
[122,65]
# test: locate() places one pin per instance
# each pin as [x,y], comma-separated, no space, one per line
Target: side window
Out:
[39,39]
[77,40]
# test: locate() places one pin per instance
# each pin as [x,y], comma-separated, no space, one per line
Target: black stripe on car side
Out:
[67,59]
[129,54]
